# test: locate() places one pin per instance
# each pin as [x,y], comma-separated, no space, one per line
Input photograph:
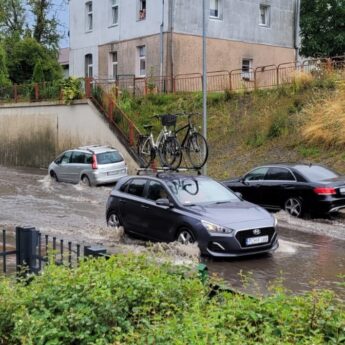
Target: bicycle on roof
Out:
[166,144]
[193,144]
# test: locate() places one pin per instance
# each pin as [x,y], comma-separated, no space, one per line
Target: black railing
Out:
[30,251]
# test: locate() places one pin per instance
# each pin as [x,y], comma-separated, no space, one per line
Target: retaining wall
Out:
[33,134]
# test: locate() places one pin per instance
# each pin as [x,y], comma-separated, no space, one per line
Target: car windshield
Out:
[191,191]
[109,157]
[316,172]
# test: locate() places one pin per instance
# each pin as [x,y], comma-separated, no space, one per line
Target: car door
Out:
[62,169]
[250,186]
[77,165]
[276,185]
[133,206]
[161,220]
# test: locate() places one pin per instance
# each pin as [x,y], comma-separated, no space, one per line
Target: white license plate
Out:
[112,173]
[342,190]
[256,240]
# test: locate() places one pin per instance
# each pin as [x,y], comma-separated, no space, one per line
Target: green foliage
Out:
[23,55]
[134,300]
[309,152]
[38,74]
[12,17]
[45,24]
[71,88]
[322,27]
[4,80]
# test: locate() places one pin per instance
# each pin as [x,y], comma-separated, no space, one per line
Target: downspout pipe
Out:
[161,42]
[297,28]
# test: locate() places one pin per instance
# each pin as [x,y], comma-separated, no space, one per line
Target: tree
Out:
[24,54]
[4,80]
[12,16]
[322,27]
[45,23]
[38,73]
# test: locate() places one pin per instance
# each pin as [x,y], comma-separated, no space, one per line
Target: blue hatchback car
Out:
[174,207]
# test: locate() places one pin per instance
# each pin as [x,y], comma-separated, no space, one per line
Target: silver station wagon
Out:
[90,165]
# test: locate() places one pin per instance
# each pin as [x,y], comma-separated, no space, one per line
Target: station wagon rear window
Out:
[109,157]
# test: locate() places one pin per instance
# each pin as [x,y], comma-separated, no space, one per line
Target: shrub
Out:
[71,88]
[134,300]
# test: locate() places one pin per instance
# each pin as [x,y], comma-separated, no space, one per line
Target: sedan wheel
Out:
[113,220]
[294,207]
[185,237]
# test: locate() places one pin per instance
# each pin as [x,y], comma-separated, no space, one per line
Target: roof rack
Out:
[90,147]
[160,170]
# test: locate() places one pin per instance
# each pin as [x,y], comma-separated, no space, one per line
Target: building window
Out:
[114,12]
[88,66]
[142,10]
[142,61]
[215,8]
[113,65]
[89,16]
[247,69]
[264,15]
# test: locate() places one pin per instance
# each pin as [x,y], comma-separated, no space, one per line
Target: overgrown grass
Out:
[250,128]
[134,300]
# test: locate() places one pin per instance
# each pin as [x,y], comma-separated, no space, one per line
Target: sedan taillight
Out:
[325,191]
[94,162]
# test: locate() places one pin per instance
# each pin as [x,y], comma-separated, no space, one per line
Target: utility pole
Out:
[204,77]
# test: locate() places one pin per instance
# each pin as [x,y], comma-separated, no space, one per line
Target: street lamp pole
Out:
[204,77]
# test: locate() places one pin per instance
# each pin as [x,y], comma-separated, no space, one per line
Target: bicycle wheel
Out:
[170,153]
[145,152]
[197,150]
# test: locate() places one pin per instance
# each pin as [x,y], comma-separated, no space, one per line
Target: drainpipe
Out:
[297,28]
[161,42]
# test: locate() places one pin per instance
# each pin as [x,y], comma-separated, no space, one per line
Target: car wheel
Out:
[294,207]
[185,236]
[113,220]
[53,176]
[85,181]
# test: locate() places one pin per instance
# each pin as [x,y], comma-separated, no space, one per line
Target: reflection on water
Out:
[302,261]
[77,213]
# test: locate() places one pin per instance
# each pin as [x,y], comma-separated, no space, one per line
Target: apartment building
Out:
[110,38]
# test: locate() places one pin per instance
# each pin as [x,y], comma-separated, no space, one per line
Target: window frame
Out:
[282,168]
[112,64]
[218,9]
[88,16]
[114,6]
[245,178]
[247,75]
[142,10]
[169,197]
[140,59]
[88,66]
[128,184]
[267,13]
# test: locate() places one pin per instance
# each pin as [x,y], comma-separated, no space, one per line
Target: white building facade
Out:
[163,37]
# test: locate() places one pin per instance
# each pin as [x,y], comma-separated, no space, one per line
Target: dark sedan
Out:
[174,207]
[296,188]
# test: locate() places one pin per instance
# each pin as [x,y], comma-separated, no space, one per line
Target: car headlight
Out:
[210,227]
[275,221]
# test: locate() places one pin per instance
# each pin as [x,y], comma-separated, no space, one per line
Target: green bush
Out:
[134,300]
[72,89]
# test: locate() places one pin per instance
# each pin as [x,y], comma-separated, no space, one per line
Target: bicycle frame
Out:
[191,129]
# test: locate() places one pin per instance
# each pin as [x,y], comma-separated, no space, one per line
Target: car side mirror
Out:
[239,195]
[163,202]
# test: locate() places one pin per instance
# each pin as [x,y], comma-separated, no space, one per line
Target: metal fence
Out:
[27,250]
[261,77]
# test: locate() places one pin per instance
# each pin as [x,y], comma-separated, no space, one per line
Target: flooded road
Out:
[76,213]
